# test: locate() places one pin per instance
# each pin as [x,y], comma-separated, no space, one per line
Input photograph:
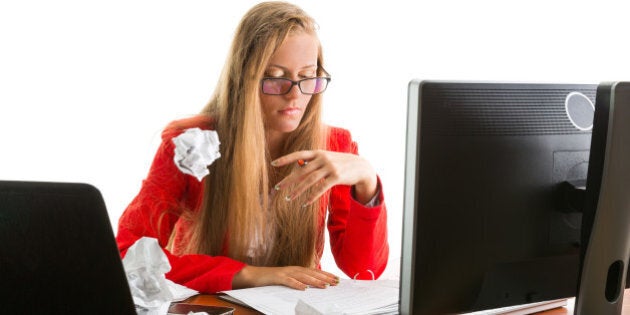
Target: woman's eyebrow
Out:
[287,69]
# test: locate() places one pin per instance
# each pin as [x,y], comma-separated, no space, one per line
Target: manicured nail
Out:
[274,163]
[305,205]
[277,187]
[287,198]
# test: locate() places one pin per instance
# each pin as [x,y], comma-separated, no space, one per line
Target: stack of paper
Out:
[525,309]
[348,297]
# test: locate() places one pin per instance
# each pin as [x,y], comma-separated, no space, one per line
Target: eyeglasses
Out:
[281,86]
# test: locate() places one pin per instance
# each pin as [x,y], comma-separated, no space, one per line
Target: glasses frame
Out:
[294,83]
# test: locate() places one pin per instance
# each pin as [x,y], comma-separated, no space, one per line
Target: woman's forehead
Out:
[296,51]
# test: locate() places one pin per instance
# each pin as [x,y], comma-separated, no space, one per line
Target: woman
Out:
[258,218]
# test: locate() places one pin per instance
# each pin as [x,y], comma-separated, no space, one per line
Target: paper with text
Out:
[348,297]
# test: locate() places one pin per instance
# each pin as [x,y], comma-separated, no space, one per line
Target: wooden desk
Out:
[241,310]
[214,300]
[625,310]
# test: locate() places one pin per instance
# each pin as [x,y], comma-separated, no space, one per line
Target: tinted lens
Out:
[281,86]
[313,85]
[276,85]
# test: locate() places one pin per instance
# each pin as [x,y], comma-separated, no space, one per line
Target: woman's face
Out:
[295,59]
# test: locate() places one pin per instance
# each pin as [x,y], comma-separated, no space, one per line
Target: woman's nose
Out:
[294,92]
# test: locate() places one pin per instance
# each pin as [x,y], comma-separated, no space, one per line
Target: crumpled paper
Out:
[195,150]
[145,265]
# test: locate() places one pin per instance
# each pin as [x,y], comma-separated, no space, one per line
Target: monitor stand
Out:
[605,262]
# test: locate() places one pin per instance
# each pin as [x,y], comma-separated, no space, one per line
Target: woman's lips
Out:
[291,111]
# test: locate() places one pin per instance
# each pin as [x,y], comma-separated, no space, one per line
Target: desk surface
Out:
[569,309]
[214,300]
[241,310]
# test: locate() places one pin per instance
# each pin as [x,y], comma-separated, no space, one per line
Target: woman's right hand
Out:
[294,277]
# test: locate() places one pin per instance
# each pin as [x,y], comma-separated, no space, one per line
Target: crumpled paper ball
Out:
[195,150]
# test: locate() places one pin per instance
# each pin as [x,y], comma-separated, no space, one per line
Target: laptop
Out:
[58,253]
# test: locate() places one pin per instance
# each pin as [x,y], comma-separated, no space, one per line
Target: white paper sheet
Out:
[348,297]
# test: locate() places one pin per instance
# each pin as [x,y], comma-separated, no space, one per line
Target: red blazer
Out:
[358,234]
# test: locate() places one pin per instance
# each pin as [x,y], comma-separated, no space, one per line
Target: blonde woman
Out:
[258,217]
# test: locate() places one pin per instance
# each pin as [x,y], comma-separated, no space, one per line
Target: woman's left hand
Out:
[321,170]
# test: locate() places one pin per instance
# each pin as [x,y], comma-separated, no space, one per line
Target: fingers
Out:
[318,189]
[305,179]
[317,171]
[294,158]
[301,278]
[294,277]
[320,170]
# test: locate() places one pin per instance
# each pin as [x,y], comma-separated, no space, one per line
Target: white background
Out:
[87,86]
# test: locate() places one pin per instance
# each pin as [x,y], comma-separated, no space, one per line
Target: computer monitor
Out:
[494,185]
[606,214]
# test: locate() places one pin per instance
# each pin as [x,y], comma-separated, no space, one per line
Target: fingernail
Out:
[305,205]
[277,187]
[274,163]
[287,198]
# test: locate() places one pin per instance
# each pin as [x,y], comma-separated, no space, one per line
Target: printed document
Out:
[348,297]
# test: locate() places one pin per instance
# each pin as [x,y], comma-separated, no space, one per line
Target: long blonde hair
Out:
[238,203]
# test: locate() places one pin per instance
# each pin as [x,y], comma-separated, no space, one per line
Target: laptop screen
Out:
[58,252]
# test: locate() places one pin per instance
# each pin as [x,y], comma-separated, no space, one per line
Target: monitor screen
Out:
[493,180]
